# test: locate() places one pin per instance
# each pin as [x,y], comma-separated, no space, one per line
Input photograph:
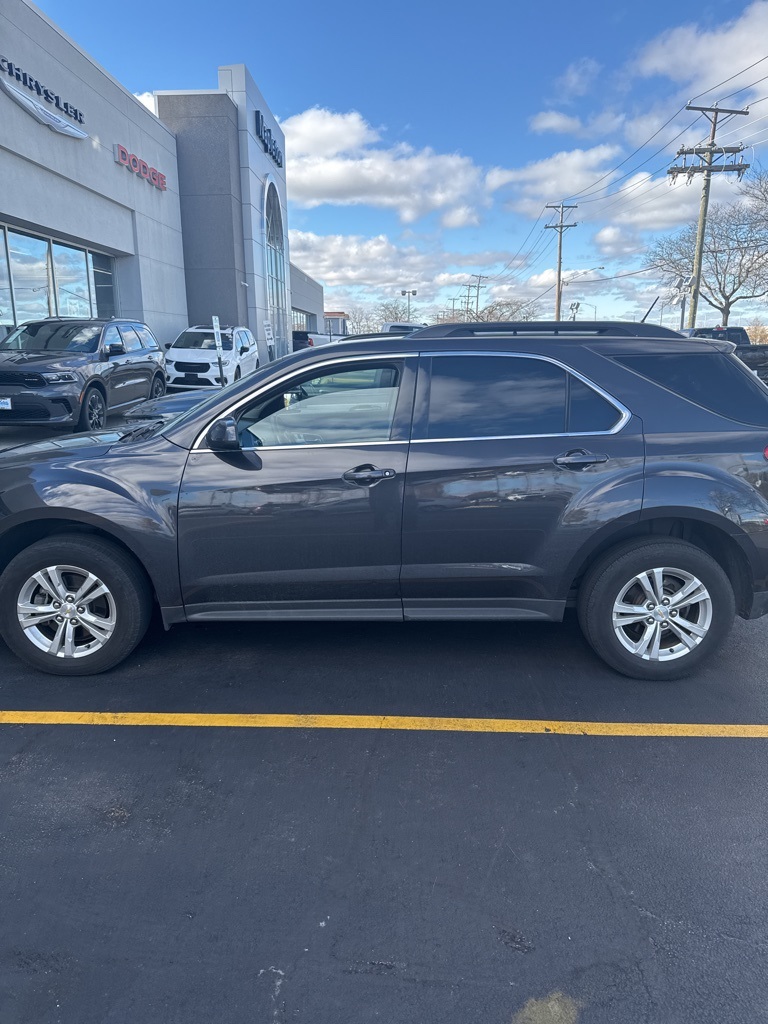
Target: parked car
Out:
[73,372]
[192,360]
[475,471]
[737,335]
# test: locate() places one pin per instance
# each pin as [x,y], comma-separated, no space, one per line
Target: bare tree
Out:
[394,311]
[735,265]
[499,310]
[362,318]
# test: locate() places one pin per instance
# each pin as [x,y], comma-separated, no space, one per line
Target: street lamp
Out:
[409,294]
[593,308]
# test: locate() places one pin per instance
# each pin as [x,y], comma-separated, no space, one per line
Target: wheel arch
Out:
[712,538]
[24,534]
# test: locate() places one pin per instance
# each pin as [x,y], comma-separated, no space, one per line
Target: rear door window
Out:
[714,380]
[502,396]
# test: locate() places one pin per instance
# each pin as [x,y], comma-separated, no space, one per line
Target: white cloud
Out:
[148,99]
[555,121]
[377,267]
[698,58]
[613,240]
[319,132]
[578,77]
[562,174]
[333,160]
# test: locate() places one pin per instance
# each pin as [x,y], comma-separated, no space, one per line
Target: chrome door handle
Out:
[366,476]
[578,458]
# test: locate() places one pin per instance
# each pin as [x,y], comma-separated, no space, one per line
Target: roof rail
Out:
[580,328]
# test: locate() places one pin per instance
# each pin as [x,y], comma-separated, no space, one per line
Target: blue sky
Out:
[423,140]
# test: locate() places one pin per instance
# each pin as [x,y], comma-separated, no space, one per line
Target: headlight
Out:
[60,378]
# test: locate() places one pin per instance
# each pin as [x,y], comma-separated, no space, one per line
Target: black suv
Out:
[71,372]
[495,471]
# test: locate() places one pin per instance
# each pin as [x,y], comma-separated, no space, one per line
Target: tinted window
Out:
[588,412]
[350,405]
[147,337]
[495,396]
[131,339]
[53,337]
[714,380]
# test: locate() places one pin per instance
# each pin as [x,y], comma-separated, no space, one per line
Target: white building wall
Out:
[73,189]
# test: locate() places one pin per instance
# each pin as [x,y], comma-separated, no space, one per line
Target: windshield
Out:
[202,340]
[53,337]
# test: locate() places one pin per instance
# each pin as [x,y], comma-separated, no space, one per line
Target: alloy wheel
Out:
[662,614]
[95,410]
[66,612]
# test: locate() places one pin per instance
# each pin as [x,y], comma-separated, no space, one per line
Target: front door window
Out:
[348,405]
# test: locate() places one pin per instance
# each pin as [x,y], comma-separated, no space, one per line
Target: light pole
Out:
[593,308]
[409,294]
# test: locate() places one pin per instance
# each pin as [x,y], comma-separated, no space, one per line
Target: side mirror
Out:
[243,350]
[116,348]
[222,436]
[167,345]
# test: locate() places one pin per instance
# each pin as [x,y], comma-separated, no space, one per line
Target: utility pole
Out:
[559,228]
[466,304]
[480,277]
[707,167]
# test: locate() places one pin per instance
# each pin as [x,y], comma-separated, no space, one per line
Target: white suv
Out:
[191,360]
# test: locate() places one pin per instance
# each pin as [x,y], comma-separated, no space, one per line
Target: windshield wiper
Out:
[142,430]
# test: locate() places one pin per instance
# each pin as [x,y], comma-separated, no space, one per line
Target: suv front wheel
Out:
[73,605]
[656,609]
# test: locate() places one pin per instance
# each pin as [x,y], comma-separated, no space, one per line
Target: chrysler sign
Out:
[29,96]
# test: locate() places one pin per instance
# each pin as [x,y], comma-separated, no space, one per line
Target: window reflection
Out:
[71,275]
[32,276]
[6,301]
[40,278]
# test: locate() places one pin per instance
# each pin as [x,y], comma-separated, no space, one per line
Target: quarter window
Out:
[131,339]
[502,396]
[349,405]
[148,339]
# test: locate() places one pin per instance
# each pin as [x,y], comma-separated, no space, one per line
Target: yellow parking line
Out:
[503,725]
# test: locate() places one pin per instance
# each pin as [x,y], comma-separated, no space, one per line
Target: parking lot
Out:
[322,871]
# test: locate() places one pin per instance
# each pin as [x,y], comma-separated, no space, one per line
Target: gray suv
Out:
[72,372]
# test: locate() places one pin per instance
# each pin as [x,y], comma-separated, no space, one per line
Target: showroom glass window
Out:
[32,276]
[71,277]
[40,277]
[503,396]
[275,256]
[7,319]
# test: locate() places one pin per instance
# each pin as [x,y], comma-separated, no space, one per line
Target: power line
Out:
[727,80]
[744,88]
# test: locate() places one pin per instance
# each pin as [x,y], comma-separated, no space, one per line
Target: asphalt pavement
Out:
[344,875]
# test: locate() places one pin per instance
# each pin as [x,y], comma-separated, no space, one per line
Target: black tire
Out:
[613,572]
[158,387]
[93,411]
[129,601]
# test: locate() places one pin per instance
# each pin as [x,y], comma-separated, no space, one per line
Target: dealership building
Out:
[107,209]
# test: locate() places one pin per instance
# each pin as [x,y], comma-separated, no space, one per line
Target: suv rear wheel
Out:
[656,609]
[73,606]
